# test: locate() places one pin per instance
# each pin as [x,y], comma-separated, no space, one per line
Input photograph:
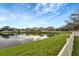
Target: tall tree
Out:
[73,24]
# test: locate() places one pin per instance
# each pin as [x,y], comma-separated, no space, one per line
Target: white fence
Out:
[68,47]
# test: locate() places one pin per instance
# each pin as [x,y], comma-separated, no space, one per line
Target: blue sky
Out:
[24,15]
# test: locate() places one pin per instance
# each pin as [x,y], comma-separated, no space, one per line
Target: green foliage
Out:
[76,47]
[47,47]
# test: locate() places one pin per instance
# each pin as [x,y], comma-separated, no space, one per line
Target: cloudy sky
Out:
[23,15]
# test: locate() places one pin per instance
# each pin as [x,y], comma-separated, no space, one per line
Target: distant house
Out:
[50,28]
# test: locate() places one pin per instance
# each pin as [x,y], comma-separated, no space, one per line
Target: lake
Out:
[16,39]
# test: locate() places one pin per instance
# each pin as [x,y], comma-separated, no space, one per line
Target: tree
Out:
[5,28]
[73,24]
[8,28]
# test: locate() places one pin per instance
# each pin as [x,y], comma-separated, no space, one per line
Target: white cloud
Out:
[46,8]
[12,16]
[15,16]
[2,18]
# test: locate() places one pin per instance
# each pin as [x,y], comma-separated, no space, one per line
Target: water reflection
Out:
[7,40]
[8,35]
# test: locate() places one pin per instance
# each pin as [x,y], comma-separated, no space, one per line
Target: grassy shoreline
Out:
[28,33]
[48,47]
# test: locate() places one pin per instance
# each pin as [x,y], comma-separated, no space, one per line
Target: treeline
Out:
[8,28]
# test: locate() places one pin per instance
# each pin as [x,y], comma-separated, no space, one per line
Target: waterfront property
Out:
[38,29]
[47,47]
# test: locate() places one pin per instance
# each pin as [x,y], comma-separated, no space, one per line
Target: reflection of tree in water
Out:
[18,33]
[6,35]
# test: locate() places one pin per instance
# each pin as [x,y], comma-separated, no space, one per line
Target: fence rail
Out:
[68,47]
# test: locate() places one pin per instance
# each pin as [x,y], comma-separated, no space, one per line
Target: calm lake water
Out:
[14,39]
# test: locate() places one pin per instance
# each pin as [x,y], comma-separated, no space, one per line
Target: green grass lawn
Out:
[47,47]
[76,47]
